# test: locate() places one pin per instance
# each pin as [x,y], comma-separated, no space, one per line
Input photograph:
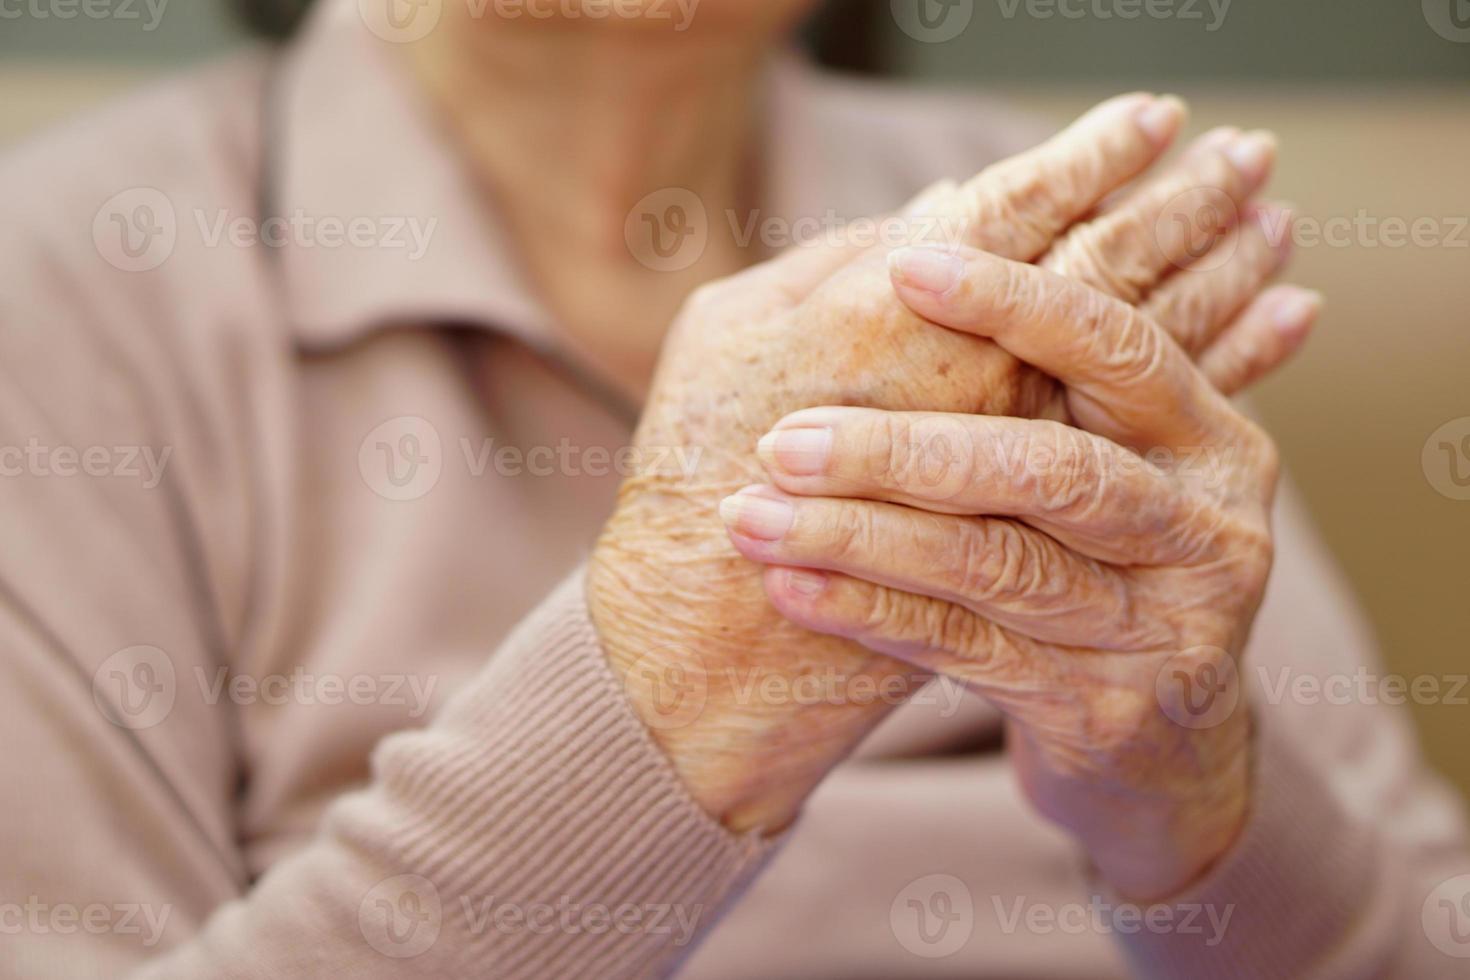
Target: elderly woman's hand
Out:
[684,619]
[1096,585]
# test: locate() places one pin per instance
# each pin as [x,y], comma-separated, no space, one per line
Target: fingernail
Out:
[1218,137]
[1294,312]
[805,582]
[799,452]
[759,516]
[1160,118]
[1252,154]
[935,270]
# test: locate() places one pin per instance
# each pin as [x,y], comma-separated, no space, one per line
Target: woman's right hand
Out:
[752,710]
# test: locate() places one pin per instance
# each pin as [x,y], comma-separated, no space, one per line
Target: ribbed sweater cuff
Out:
[1300,895]
[537,795]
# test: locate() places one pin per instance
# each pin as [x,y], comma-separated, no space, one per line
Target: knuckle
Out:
[1127,347]
[889,447]
[1000,565]
[925,456]
[1264,453]
[1061,472]
[1186,313]
[1111,255]
[1251,549]
[1014,297]
[949,627]
[852,534]
[1026,198]
[973,571]
[891,614]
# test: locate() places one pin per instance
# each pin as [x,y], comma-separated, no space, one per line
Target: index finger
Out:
[1018,207]
[1126,379]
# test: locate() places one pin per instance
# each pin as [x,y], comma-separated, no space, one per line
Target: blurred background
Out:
[1371,101]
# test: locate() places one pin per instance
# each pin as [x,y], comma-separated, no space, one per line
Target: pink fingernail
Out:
[1160,118]
[934,270]
[799,452]
[805,582]
[1294,312]
[1252,154]
[759,516]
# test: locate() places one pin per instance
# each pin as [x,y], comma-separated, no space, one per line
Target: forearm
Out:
[533,830]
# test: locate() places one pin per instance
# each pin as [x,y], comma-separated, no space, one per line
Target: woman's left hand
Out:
[1097,586]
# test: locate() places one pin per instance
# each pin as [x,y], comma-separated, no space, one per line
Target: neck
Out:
[570,132]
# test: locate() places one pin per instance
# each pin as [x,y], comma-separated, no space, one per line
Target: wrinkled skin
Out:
[678,609]
[1097,588]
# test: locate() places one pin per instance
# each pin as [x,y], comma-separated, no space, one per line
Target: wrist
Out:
[686,626]
[1159,848]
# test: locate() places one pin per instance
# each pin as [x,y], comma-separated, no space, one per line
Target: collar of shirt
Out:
[354,154]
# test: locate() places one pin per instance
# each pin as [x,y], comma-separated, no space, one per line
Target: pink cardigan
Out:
[292,690]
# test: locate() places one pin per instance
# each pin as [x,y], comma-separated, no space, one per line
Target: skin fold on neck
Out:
[568,128]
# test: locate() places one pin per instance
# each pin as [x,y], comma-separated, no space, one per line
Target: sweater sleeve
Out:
[534,830]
